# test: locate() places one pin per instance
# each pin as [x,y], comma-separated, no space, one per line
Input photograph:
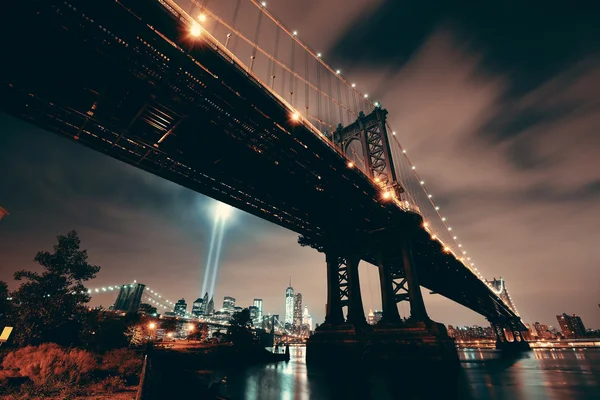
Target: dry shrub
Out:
[109,385]
[50,365]
[123,361]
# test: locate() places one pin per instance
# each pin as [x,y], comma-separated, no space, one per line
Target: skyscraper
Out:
[571,326]
[298,309]
[204,303]
[289,304]
[229,304]
[253,310]
[180,308]
[198,307]
[130,297]
[210,308]
[258,303]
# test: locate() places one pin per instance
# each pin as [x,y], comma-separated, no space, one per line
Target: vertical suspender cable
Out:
[292,79]
[339,95]
[273,63]
[256,36]
[319,114]
[329,105]
[306,77]
[233,21]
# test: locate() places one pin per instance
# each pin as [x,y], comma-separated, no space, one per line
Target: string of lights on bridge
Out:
[196,30]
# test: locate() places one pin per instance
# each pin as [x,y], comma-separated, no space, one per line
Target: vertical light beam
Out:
[207,269]
[215,269]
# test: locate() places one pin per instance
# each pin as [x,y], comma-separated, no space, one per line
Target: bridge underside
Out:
[124,78]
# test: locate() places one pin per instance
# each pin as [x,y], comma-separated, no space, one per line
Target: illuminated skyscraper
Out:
[229,304]
[180,308]
[298,309]
[258,303]
[289,304]
[571,326]
[253,310]
[198,307]
[210,308]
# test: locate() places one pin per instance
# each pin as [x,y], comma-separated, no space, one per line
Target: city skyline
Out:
[517,201]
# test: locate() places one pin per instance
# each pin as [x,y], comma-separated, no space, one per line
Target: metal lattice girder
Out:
[370,130]
[343,280]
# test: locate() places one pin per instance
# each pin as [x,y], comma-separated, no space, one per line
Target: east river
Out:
[483,374]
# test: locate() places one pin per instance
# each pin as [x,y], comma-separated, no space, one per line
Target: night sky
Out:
[499,107]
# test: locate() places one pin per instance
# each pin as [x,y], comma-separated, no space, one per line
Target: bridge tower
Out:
[366,143]
[508,331]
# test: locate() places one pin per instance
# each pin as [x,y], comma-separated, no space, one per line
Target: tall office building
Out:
[298,309]
[253,313]
[289,304]
[198,307]
[229,304]
[210,308]
[571,326]
[258,303]
[180,308]
[205,303]
[130,297]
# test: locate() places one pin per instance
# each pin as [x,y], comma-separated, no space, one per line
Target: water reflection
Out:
[483,374]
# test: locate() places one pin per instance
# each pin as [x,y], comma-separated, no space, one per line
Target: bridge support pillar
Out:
[388,297]
[417,305]
[518,344]
[356,312]
[334,315]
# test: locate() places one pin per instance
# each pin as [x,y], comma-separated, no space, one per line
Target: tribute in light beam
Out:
[220,212]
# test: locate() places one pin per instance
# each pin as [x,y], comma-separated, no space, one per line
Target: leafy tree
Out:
[200,333]
[170,325]
[5,305]
[239,330]
[49,305]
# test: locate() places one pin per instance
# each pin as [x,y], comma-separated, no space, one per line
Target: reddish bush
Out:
[124,361]
[50,365]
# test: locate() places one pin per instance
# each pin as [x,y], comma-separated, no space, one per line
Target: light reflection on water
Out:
[483,374]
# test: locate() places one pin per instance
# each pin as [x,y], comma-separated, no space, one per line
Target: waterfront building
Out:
[210,308]
[571,326]
[180,308]
[258,303]
[298,310]
[289,305]
[229,303]
[198,307]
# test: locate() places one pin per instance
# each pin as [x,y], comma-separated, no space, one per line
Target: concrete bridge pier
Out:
[339,340]
[517,342]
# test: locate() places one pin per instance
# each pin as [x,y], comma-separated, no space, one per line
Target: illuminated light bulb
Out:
[366,96]
[151,325]
[429,195]
[337,71]
[422,182]
[414,167]
[295,33]
[319,55]
[386,195]
[353,85]
[460,245]
[433,237]
[377,179]
[469,258]
[376,104]
[449,228]
[264,4]
[447,249]
[443,218]
[454,237]
[350,164]
[437,208]
[393,133]
[202,18]
[296,116]
[404,151]
[425,224]
[195,30]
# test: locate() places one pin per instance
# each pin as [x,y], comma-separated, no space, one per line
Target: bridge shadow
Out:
[381,382]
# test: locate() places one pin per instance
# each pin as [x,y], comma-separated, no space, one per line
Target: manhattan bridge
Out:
[222,98]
